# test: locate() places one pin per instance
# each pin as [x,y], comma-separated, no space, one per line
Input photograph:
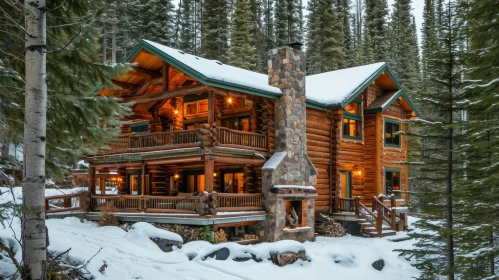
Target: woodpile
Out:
[220,236]
[208,135]
[207,204]
[329,227]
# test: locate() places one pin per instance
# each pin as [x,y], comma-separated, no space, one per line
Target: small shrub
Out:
[205,233]
[107,217]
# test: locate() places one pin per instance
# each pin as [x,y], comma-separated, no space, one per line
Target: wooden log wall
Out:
[373,139]
[178,119]
[319,151]
[267,121]
[158,180]
[219,101]
[121,180]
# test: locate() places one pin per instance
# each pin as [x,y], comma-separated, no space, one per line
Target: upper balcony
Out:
[201,137]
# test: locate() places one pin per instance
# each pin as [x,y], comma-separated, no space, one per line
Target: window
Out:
[392,183]
[140,127]
[194,182]
[233,182]
[241,124]
[196,107]
[352,121]
[391,136]
[234,103]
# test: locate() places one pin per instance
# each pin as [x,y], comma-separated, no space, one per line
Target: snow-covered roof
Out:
[335,87]
[215,70]
[325,90]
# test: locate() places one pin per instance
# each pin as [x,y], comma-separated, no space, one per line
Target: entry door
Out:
[135,184]
[346,184]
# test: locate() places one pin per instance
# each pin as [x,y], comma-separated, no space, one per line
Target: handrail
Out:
[344,206]
[366,210]
[383,208]
[240,202]
[233,137]
[67,203]
[388,214]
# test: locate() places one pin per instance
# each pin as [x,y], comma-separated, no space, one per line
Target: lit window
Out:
[352,120]
[392,183]
[392,138]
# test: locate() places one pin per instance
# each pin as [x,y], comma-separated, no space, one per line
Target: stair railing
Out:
[388,214]
[364,212]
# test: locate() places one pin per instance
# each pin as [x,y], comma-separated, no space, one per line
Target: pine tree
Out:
[156,21]
[215,31]
[325,37]
[440,162]
[357,19]
[187,35]
[478,225]
[344,14]
[376,28]
[242,51]
[258,33]
[268,26]
[404,45]
[288,21]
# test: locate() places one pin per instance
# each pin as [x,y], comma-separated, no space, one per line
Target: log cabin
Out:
[237,148]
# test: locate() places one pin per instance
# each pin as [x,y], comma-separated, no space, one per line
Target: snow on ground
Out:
[130,255]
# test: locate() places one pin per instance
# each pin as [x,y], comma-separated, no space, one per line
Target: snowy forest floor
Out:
[129,257]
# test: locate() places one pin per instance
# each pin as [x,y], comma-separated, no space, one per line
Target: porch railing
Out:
[227,202]
[171,139]
[242,139]
[240,202]
[63,203]
[347,204]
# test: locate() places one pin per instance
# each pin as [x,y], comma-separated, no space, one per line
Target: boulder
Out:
[379,264]
[285,258]
[221,254]
[166,245]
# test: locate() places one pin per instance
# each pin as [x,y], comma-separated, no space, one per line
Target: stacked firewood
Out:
[220,236]
[329,227]
[208,135]
[207,204]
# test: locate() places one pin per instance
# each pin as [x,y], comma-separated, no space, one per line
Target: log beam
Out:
[125,85]
[211,107]
[225,92]
[91,179]
[236,160]
[149,74]
[209,168]
[196,89]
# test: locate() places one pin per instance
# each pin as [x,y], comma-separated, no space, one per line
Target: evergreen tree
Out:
[404,45]
[478,221]
[187,35]
[258,33]
[156,21]
[376,28]
[215,31]
[344,14]
[242,51]
[325,37]
[440,162]
[428,41]
[288,21]
[357,19]
[268,26]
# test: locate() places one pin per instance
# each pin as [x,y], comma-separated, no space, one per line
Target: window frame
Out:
[355,117]
[392,170]
[197,107]
[391,122]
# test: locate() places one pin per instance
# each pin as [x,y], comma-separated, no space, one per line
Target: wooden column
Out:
[91,179]
[143,179]
[211,107]
[209,168]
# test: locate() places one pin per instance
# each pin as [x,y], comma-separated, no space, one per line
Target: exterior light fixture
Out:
[214,174]
[229,100]
[175,112]
[175,176]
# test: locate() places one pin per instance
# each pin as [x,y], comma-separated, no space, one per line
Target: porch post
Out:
[91,179]
[143,179]
[211,107]
[209,168]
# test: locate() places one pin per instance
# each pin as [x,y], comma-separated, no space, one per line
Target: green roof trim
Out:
[143,45]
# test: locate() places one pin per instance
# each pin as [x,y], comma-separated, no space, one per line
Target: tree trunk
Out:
[34,235]
[104,46]
[113,44]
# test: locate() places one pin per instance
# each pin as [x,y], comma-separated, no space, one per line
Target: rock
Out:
[285,258]
[379,264]
[191,255]
[221,254]
[244,259]
[166,245]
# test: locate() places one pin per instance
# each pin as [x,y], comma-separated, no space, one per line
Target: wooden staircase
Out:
[380,220]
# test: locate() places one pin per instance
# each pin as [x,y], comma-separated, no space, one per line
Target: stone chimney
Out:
[287,72]
[289,175]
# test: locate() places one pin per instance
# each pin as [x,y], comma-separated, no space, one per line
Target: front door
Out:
[346,184]
[346,190]
[135,184]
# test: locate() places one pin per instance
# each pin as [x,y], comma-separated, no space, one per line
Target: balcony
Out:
[168,140]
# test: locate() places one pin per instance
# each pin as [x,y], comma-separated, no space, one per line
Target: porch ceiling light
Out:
[175,112]
[176,175]
[229,100]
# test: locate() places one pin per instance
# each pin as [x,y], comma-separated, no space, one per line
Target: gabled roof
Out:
[328,90]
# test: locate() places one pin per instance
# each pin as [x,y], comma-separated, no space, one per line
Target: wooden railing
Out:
[62,203]
[242,139]
[240,202]
[171,204]
[117,203]
[389,215]
[347,204]
[171,139]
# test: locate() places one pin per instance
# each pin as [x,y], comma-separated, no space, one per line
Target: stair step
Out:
[369,226]
[383,233]
[373,229]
